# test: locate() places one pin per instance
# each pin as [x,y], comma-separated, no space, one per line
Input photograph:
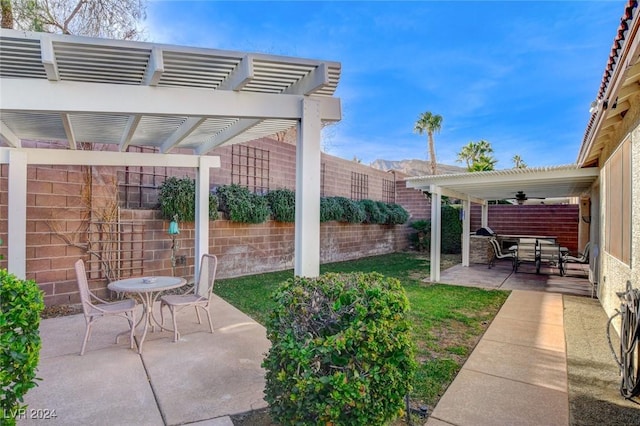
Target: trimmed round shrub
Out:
[242,205]
[283,205]
[177,197]
[352,212]
[340,352]
[21,303]
[330,209]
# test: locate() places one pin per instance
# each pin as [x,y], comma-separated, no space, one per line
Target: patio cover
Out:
[124,93]
[481,187]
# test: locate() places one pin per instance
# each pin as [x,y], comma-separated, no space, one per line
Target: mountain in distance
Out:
[415,167]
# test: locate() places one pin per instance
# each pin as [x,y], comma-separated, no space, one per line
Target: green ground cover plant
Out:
[447,321]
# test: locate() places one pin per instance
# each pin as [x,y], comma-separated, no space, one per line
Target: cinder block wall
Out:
[60,198]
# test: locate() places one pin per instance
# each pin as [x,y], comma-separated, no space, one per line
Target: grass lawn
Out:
[447,320]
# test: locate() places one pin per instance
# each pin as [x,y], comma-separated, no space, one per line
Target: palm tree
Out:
[518,163]
[429,123]
[477,156]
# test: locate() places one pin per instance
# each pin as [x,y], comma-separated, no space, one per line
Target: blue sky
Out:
[518,74]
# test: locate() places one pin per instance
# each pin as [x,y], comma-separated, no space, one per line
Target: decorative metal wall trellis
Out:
[250,168]
[116,249]
[359,186]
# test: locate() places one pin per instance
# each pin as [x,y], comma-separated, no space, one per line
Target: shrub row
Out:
[177,197]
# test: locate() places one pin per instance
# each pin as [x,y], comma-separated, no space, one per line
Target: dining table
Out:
[148,289]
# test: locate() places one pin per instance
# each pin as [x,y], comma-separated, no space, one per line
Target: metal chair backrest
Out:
[207,275]
[496,249]
[527,249]
[83,286]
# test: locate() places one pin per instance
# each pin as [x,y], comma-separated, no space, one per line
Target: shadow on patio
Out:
[501,276]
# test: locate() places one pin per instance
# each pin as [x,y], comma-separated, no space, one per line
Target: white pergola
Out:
[124,93]
[481,187]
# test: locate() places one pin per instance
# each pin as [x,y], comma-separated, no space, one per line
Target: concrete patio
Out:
[517,374]
[202,379]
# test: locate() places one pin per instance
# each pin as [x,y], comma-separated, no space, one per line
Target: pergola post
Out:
[436,232]
[307,224]
[202,211]
[17,214]
[466,230]
[485,215]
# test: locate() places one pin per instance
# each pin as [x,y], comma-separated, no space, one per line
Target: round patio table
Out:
[149,289]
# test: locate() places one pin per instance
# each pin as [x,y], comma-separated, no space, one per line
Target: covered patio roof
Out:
[181,101]
[535,182]
[481,187]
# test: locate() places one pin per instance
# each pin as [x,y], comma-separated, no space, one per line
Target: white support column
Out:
[202,211]
[436,232]
[466,230]
[307,225]
[485,215]
[17,214]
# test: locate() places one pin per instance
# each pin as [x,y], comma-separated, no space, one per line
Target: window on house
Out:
[617,171]
[359,186]
[250,168]
[388,191]
[138,186]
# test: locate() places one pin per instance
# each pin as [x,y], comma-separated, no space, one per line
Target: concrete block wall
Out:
[59,198]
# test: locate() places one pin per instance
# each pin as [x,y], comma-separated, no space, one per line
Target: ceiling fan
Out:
[521,197]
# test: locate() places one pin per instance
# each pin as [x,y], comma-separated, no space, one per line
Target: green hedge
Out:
[177,197]
[330,209]
[341,351]
[241,205]
[283,205]
[451,227]
[21,302]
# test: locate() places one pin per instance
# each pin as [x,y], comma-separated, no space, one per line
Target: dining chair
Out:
[93,311]
[199,296]
[498,254]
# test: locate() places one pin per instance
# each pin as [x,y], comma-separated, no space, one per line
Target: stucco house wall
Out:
[614,274]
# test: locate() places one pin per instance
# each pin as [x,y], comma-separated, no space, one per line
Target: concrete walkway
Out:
[517,374]
[202,379]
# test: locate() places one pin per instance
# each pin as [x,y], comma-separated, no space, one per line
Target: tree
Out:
[7,14]
[477,156]
[518,163]
[429,123]
[118,19]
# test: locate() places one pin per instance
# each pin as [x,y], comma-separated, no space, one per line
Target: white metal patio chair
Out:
[198,297]
[93,311]
[580,257]
[498,254]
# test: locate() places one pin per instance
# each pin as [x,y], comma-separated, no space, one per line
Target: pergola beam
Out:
[181,133]
[32,95]
[240,76]
[68,130]
[9,136]
[230,132]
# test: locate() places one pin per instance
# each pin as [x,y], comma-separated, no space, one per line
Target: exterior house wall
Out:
[614,274]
